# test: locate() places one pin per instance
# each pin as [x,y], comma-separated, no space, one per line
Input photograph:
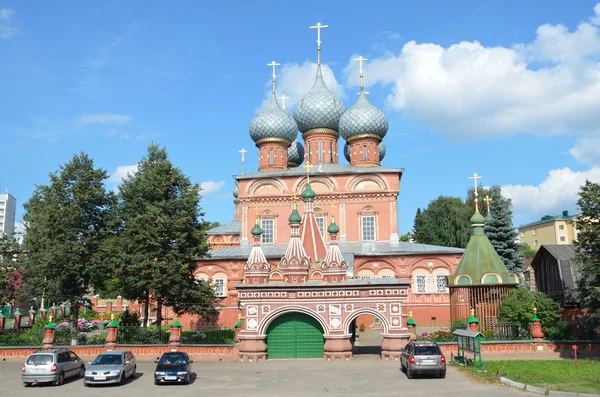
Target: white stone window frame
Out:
[321,225]
[219,285]
[535,243]
[440,283]
[563,238]
[420,283]
[268,235]
[535,232]
[368,230]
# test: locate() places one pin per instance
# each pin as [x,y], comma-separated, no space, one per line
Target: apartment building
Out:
[559,229]
[8,209]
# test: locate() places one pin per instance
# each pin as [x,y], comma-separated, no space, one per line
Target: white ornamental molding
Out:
[266,309]
[252,311]
[396,322]
[335,322]
[320,308]
[349,307]
[252,324]
[335,310]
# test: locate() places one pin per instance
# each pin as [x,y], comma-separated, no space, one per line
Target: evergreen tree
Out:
[161,235]
[587,254]
[444,222]
[500,230]
[67,223]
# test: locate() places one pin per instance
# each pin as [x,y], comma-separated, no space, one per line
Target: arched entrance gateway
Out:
[295,335]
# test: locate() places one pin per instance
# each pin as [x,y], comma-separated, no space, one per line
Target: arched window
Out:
[320,152]
[365,153]
[271,157]
[331,152]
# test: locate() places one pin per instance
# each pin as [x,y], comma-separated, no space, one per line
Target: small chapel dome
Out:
[477,219]
[319,108]
[273,123]
[363,118]
[382,151]
[295,154]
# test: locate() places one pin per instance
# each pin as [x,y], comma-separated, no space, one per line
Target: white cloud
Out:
[295,80]
[103,118]
[122,172]
[209,187]
[547,87]
[587,150]
[596,18]
[7,28]
[559,191]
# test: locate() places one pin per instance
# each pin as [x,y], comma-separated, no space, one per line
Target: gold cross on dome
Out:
[307,166]
[488,200]
[410,314]
[112,317]
[472,312]
[475,177]
[332,212]
[50,319]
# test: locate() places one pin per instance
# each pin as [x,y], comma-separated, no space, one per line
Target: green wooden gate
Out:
[295,335]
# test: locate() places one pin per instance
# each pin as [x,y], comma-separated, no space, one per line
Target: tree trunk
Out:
[146,309]
[74,319]
[159,314]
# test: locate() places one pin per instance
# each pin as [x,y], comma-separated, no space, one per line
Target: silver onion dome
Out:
[235,192]
[273,123]
[295,154]
[319,108]
[363,118]
[382,150]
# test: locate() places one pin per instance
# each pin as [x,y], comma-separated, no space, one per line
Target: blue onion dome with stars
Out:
[363,119]
[319,108]
[382,151]
[273,123]
[295,154]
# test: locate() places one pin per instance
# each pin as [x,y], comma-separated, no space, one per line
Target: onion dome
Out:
[363,118]
[477,219]
[488,218]
[295,217]
[295,154]
[236,192]
[333,228]
[273,123]
[308,194]
[381,150]
[319,108]
[256,231]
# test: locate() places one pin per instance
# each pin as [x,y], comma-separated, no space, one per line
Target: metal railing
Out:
[16,337]
[208,336]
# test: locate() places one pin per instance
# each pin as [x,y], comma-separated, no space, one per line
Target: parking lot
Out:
[271,378]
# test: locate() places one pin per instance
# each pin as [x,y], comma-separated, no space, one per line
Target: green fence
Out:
[152,336]
[26,338]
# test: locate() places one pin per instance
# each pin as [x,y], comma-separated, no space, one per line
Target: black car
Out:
[173,367]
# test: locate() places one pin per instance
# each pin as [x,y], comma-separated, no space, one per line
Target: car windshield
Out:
[172,359]
[427,351]
[40,359]
[107,359]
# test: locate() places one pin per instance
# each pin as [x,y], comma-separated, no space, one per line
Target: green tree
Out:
[587,255]
[161,233]
[527,251]
[444,222]
[405,238]
[11,262]
[500,231]
[67,223]
[517,307]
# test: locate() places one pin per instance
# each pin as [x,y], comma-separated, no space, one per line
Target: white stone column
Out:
[342,222]
[244,239]
[394,238]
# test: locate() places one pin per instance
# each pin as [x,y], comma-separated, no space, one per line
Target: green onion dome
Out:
[256,231]
[295,217]
[333,228]
[308,194]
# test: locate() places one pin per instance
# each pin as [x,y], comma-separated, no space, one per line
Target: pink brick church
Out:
[313,248]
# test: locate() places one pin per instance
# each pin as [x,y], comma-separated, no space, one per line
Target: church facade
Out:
[313,250]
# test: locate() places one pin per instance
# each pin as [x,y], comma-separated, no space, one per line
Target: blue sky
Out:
[509,90]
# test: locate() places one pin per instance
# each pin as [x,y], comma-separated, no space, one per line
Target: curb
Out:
[544,392]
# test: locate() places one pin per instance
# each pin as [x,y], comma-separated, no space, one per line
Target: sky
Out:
[509,90]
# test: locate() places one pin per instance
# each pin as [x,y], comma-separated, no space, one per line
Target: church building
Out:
[313,249]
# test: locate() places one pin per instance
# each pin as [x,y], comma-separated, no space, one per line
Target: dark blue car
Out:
[173,367]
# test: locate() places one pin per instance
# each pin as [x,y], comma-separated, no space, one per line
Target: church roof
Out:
[233,227]
[359,248]
[480,263]
[322,169]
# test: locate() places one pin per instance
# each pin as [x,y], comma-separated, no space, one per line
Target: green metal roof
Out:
[233,227]
[549,218]
[480,263]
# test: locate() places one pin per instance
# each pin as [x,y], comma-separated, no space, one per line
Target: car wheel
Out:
[26,384]
[82,371]
[409,374]
[60,380]
[443,374]
[86,384]
[402,367]
[123,378]
[133,373]
[155,382]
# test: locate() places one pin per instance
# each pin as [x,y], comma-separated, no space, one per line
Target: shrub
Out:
[517,307]
[458,324]
[489,334]
[362,327]
[558,331]
[128,318]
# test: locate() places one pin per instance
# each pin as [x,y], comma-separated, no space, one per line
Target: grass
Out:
[559,375]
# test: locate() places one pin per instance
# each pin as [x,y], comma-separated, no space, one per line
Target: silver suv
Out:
[51,366]
[423,357]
